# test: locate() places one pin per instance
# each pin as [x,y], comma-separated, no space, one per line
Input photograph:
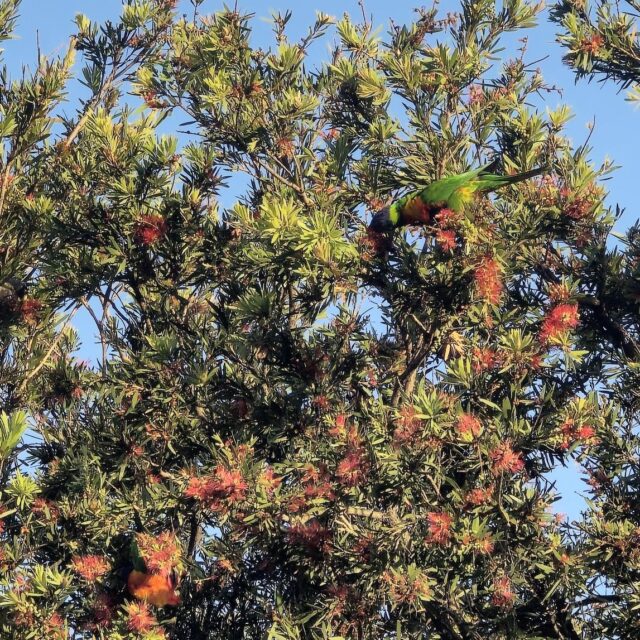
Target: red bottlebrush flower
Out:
[231,484]
[364,547]
[224,485]
[25,619]
[572,433]
[330,134]
[102,611]
[55,628]
[578,208]
[505,460]
[199,488]
[317,486]
[559,320]
[155,433]
[446,239]
[339,594]
[565,192]
[479,496]
[484,359]
[374,204]
[584,237]
[409,426]
[476,94]
[375,244]
[158,590]
[404,590]
[22,583]
[484,544]
[311,534]
[546,190]
[591,44]
[269,481]
[447,218]
[322,489]
[321,402]
[77,392]
[285,148]
[152,101]
[139,617]
[30,310]
[585,432]
[352,468]
[45,508]
[150,228]
[314,473]
[136,451]
[161,554]
[439,526]
[535,361]
[339,430]
[567,430]
[558,292]
[296,503]
[255,88]
[488,277]
[91,568]
[503,595]
[468,426]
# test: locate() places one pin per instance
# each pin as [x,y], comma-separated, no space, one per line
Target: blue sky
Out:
[617,130]
[617,122]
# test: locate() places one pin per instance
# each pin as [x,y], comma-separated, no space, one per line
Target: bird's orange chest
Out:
[155,589]
[416,212]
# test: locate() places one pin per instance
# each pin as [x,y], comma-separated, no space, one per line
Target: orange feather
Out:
[153,588]
[416,212]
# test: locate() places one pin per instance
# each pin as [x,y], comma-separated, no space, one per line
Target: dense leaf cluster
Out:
[603,42]
[298,428]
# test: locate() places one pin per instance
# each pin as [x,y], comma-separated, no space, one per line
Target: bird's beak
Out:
[375,221]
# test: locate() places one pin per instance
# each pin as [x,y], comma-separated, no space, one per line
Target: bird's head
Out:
[381,221]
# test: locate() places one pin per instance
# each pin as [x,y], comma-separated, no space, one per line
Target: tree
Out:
[602,44]
[304,429]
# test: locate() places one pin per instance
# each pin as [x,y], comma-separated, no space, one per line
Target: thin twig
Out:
[288,183]
[29,376]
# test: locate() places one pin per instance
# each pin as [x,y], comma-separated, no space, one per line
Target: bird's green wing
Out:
[443,189]
[490,181]
[134,556]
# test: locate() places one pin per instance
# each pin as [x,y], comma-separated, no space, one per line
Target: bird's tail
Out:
[492,181]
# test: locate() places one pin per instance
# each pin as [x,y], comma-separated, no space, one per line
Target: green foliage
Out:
[12,429]
[602,42]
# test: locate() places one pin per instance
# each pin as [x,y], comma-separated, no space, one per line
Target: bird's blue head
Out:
[382,221]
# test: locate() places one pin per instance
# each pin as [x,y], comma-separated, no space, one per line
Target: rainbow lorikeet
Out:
[154,588]
[158,589]
[452,192]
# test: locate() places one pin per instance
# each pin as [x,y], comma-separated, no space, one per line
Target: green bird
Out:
[452,192]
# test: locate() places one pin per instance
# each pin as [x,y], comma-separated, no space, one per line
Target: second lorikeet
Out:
[154,588]
[158,589]
[452,192]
